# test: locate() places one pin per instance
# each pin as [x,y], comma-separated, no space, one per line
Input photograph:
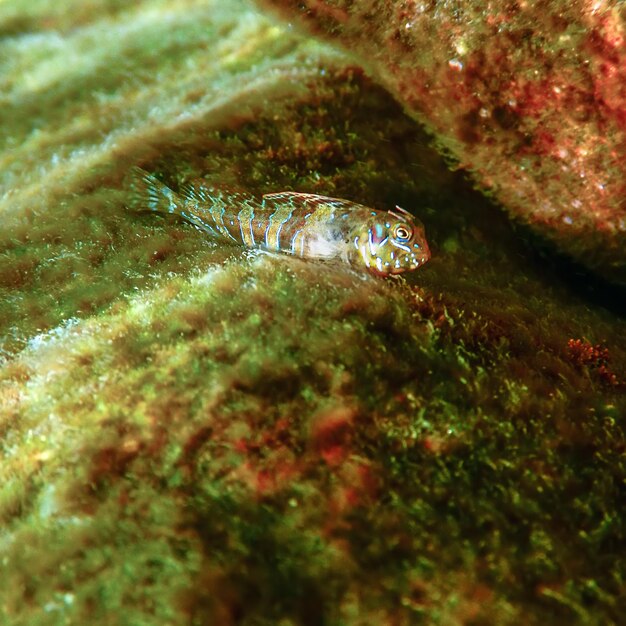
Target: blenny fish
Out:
[384,243]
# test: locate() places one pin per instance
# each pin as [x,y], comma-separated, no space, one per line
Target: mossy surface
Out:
[193,434]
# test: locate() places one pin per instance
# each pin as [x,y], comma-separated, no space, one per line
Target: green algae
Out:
[171,460]
[192,434]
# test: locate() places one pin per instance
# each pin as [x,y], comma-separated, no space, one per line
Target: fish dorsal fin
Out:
[311,199]
[191,192]
[205,193]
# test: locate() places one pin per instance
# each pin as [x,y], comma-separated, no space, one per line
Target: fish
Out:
[310,226]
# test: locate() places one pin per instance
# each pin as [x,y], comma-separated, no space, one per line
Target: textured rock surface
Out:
[190,434]
[530,96]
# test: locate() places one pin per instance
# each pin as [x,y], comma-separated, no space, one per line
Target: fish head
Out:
[391,243]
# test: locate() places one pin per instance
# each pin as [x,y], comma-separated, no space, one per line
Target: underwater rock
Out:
[529,96]
[192,433]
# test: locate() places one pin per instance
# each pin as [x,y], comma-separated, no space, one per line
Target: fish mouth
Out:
[408,267]
[391,271]
[376,267]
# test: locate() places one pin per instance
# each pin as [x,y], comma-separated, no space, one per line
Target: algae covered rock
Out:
[195,434]
[528,96]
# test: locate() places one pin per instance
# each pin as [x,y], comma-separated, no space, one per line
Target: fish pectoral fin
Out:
[148,193]
[257,252]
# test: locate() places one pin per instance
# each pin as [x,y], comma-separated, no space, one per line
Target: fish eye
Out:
[402,233]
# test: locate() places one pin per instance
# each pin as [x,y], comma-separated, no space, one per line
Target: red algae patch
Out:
[331,433]
[595,358]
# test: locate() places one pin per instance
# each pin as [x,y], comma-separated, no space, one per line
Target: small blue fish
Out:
[310,226]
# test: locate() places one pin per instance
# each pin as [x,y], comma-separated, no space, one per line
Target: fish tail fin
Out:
[147,193]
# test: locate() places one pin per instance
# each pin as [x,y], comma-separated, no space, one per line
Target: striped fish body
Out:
[306,225]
